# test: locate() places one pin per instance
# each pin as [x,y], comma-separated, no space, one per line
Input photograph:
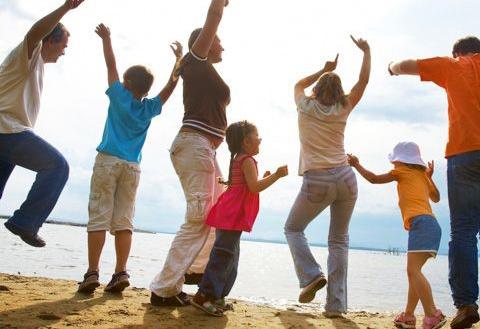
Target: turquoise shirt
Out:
[127,123]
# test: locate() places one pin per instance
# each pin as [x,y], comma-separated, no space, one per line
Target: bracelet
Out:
[390,70]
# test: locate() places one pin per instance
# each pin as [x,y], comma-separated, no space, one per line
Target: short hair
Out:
[56,34]
[140,77]
[466,45]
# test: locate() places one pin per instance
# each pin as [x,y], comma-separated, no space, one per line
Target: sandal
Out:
[223,305]
[405,321]
[434,322]
[118,282]
[182,299]
[90,283]
[201,302]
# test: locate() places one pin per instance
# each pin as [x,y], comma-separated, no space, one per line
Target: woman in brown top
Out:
[193,154]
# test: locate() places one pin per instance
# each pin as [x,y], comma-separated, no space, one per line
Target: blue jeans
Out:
[222,266]
[335,188]
[27,150]
[464,201]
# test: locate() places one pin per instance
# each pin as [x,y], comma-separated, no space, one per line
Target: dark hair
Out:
[329,90]
[193,37]
[235,135]
[141,79]
[415,166]
[56,34]
[466,45]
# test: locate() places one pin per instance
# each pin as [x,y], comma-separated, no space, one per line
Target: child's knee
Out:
[413,271]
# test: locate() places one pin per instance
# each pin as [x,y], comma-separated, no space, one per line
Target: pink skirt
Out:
[235,210]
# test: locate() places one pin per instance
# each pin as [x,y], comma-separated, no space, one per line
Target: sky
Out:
[269,45]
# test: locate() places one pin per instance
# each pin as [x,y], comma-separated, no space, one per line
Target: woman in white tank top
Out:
[328,180]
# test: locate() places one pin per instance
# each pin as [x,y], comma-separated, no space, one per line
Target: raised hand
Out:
[102,31]
[353,160]
[177,49]
[72,4]
[331,66]
[282,171]
[430,169]
[362,44]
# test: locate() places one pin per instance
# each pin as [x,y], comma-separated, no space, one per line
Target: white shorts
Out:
[112,194]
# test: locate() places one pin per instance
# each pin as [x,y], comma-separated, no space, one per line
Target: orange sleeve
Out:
[395,174]
[434,69]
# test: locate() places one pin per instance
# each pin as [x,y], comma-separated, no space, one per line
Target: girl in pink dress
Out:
[234,212]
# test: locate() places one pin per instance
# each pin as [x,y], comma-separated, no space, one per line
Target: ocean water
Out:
[377,281]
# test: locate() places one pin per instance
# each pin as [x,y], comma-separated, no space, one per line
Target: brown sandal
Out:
[118,282]
[201,302]
[90,283]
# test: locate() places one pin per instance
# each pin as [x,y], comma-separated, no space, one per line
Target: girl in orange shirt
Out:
[415,187]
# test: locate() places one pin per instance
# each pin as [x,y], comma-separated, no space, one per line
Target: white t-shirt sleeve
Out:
[33,61]
[300,100]
[306,105]
[17,61]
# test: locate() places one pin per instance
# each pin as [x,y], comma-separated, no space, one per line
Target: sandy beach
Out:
[32,302]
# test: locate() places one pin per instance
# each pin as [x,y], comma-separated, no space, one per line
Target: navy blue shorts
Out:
[424,235]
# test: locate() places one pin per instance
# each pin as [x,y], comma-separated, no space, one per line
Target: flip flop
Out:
[208,308]
[222,305]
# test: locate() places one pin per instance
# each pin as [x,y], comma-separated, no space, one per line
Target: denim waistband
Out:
[464,158]
[329,171]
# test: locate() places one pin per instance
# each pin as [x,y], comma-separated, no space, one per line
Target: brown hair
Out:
[329,90]
[140,78]
[235,135]
[193,37]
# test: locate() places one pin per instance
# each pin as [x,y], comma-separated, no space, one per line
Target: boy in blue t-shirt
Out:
[116,172]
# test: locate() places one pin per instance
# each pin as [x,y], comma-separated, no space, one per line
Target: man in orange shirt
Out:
[460,77]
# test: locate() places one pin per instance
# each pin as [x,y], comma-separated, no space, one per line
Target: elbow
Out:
[254,188]
[300,86]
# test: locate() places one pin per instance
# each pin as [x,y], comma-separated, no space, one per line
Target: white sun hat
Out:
[407,152]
